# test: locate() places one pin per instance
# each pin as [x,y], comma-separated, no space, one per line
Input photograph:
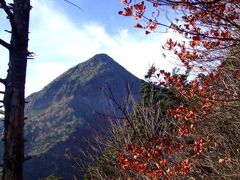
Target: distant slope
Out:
[66,111]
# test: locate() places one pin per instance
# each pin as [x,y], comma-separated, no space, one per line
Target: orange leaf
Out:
[126,12]
[140,7]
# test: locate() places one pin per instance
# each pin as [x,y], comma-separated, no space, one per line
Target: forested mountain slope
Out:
[64,114]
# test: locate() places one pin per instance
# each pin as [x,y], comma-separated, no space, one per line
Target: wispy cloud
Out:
[60,44]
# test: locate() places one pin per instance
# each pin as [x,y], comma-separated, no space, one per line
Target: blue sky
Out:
[62,36]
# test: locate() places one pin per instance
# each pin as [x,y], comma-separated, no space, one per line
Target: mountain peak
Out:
[98,65]
[101,69]
[69,111]
[101,58]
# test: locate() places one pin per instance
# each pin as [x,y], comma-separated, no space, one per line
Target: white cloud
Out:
[41,74]
[60,44]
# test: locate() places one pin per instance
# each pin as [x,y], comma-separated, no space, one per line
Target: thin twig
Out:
[73,4]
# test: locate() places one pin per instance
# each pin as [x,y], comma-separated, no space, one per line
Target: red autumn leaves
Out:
[159,156]
[137,11]
[152,161]
[208,27]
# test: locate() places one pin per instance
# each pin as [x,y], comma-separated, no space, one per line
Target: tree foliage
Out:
[205,139]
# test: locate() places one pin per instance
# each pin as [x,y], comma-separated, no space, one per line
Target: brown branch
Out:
[5,44]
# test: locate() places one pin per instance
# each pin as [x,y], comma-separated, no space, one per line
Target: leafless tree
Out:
[18,14]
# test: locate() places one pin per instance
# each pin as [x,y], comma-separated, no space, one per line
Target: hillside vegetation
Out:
[191,132]
[64,116]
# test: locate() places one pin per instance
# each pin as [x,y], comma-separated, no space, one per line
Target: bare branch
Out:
[109,93]
[8,12]
[3,81]
[5,44]
[8,31]
[167,2]
[192,33]
[73,4]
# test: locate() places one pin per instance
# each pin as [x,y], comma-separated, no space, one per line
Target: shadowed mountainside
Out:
[66,112]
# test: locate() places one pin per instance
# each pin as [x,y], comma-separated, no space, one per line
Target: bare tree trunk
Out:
[14,99]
